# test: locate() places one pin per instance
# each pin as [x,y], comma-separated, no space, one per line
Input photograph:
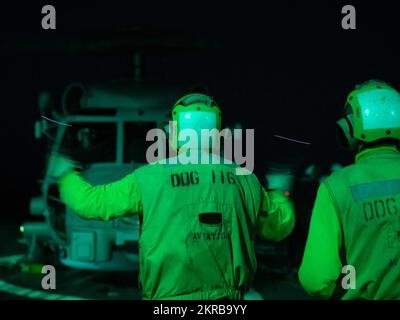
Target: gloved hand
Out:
[59,164]
[277,219]
[278,196]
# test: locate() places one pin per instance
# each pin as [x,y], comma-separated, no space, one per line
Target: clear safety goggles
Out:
[197,120]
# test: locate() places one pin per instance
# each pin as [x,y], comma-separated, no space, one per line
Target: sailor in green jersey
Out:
[356,217]
[198,221]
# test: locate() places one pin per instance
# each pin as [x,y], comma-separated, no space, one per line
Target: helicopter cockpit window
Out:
[91,142]
[135,145]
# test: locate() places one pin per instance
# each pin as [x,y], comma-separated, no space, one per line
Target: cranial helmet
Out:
[371,113]
[196,111]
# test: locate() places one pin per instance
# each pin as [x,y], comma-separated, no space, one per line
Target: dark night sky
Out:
[282,68]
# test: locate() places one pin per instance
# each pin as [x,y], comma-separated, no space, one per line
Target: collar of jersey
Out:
[373,151]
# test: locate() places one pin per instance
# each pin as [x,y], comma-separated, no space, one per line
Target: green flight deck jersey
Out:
[198,224]
[356,222]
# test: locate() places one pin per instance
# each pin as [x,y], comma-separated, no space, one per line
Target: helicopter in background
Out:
[104,126]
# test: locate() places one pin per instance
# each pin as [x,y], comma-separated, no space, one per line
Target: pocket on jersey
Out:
[209,250]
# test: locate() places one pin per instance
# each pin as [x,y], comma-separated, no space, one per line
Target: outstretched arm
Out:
[102,202]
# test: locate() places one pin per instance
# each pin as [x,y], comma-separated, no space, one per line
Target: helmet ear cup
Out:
[344,132]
